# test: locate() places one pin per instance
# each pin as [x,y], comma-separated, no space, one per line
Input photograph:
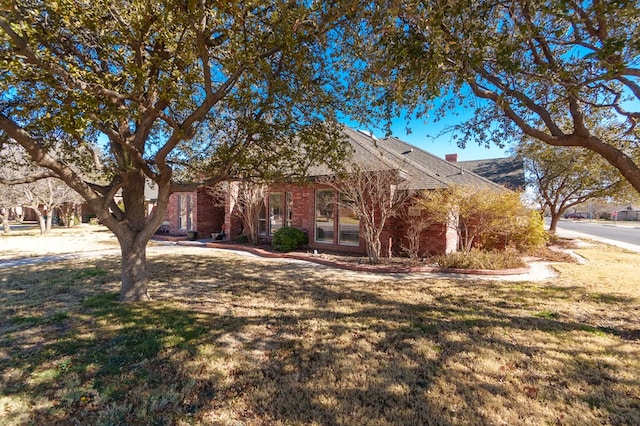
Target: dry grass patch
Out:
[610,271]
[232,339]
[29,242]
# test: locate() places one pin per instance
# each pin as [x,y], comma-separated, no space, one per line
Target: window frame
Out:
[331,219]
[342,213]
[282,212]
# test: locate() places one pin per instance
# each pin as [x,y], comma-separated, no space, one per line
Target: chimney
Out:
[452,158]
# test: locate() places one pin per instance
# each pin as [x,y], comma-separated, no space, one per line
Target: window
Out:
[289,207]
[324,212]
[348,226]
[276,212]
[262,220]
[185,207]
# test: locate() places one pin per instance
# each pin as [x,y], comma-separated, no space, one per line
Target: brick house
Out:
[312,206]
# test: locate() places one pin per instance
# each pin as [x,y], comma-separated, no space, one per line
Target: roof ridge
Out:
[415,164]
[440,160]
[367,148]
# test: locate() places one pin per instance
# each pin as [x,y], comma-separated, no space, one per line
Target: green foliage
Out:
[538,68]
[112,98]
[564,177]
[548,315]
[242,239]
[288,239]
[478,259]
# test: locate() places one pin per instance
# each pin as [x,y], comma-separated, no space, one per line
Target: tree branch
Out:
[73,82]
[544,115]
[27,179]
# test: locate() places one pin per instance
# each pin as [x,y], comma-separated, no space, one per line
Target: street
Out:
[625,235]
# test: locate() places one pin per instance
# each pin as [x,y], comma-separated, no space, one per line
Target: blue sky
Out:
[423,135]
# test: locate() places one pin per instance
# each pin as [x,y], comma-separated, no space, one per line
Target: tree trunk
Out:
[49,221]
[555,218]
[42,224]
[251,231]
[373,251]
[6,228]
[133,229]
[134,270]
[20,212]
[372,240]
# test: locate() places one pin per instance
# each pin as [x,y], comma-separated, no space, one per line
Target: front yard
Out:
[232,339]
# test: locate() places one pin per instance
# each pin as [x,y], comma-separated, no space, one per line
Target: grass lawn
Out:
[235,340]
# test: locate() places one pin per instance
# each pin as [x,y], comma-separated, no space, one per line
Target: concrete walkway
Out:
[538,271]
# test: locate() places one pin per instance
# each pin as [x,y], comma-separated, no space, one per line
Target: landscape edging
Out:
[363,267]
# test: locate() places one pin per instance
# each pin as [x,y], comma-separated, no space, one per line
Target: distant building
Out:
[629,213]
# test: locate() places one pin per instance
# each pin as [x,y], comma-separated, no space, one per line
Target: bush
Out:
[242,239]
[476,259]
[287,239]
[530,235]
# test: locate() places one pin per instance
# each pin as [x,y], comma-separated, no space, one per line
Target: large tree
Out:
[522,67]
[564,177]
[162,91]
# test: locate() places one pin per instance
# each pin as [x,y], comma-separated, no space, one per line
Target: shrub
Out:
[287,239]
[242,239]
[477,259]
[530,234]
[488,218]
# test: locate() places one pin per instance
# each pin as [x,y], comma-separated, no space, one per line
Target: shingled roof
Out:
[508,171]
[423,170]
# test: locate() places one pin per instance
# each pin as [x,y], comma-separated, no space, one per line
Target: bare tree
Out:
[46,197]
[418,221]
[374,197]
[8,202]
[246,199]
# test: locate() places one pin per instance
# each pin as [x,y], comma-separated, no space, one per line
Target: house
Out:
[313,208]
[628,213]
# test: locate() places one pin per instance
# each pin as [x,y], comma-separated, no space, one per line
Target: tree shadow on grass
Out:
[234,340]
[447,356]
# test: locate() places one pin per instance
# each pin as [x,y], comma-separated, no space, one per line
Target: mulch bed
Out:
[358,263]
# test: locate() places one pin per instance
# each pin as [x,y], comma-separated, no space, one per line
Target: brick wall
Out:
[209,217]
[172,213]
[436,239]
